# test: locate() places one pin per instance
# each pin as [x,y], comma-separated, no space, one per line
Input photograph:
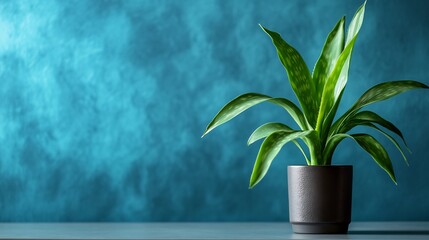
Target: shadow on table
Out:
[389,232]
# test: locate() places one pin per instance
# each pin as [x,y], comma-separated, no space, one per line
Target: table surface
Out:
[255,230]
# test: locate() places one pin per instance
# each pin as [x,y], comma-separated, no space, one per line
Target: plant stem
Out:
[315,156]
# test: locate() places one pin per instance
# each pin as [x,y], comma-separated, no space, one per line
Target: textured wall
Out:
[103,104]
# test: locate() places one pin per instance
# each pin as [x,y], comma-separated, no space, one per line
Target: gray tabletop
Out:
[357,230]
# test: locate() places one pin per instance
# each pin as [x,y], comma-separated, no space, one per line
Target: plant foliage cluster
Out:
[319,94]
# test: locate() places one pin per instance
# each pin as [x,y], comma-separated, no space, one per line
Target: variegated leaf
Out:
[356,23]
[293,111]
[332,49]
[245,101]
[369,144]
[375,94]
[370,117]
[298,74]
[338,78]
[390,138]
[331,145]
[235,107]
[268,129]
[385,91]
[269,150]
[377,152]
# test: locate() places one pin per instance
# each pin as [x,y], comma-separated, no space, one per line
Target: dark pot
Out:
[320,198]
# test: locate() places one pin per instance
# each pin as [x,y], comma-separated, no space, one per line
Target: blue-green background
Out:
[102,105]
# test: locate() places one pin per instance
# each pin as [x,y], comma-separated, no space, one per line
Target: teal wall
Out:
[102,105]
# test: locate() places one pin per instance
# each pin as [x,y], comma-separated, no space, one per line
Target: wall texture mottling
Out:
[103,104]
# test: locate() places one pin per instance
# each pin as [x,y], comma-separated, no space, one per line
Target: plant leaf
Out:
[314,145]
[331,145]
[377,152]
[390,138]
[364,117]
[377,93]
[298,74]
[353,30]
[338,78]
[245,101]
[268,129]
[369,144]
[368,122]
[293,110]
[235,107]
[356,23]
[385,91]
[352,33]
[269,150]
[332,49]
[302,151]
[326,126]
[328,95]
[367,118]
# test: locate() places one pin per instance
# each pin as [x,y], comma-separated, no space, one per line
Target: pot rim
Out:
[320,166]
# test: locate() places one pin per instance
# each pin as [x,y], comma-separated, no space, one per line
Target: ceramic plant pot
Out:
[320,198]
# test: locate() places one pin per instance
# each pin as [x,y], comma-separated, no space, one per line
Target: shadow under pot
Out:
[320,198]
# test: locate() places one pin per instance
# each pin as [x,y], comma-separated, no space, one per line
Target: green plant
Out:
[319,95]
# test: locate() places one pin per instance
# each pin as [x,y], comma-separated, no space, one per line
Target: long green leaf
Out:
[353,30]
[391,139]
[377,152]
[293,111]
[326,126]
[298,74]
[315,147]
[377,93]
[356,23]
[328,96]
[368,123]
[371,117]
[331,145]
[385,91]
[269,150]
[367,118]
[369,144]
[235,107]
[268,129]
[332,49]
[245,101]
[338,78]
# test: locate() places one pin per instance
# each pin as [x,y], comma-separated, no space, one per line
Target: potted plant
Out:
[320,193]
